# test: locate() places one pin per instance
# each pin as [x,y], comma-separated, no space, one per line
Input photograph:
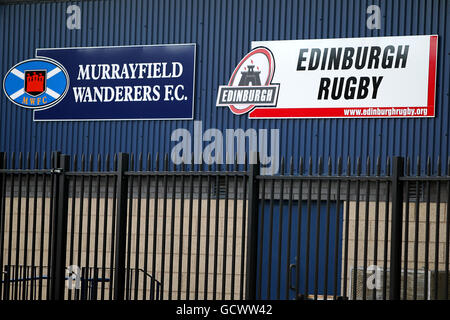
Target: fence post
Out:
[121,227]
[2,221]
[2,196]
[59,241]
[55,165]
[396,229]
[6,277]
[252,228]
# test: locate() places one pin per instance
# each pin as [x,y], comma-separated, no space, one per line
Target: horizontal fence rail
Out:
[105,228]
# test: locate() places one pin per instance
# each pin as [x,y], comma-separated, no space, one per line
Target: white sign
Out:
[354,77]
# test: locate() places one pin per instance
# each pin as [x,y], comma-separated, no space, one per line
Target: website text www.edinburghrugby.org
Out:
[390,112]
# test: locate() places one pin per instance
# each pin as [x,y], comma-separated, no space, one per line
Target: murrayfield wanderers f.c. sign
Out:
[154,82]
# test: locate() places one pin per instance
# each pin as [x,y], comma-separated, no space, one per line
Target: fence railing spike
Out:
[300,166]
[108,162]
[44,161]
[339,166]
[439,166]
[36,160]
[330,167]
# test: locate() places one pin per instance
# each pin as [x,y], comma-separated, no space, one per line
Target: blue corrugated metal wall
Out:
[223,30]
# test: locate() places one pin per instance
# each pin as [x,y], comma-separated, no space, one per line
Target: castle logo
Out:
[36,83]
[250,84]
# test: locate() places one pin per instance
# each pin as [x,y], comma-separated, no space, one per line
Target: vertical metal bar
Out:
[216,233]
[180,243]
[54,160]
[191,202]
[308,228]
[105,226]
[19,233]
[233,250]
[33,275]
[172,232]
[138,232]
[97,221]
[252,228]
[113,227]
[34,226]
[447,233]
[377,217]
[199,225]
[396,229]
[270,249]
[280,231]
[155,228]
[317,241]
[261,236]
[356,230]
[89,214]
[337,230]
[327,233]
[416,231]
[437,225]
[225,234]
[427,232]
[84,283]
[164,225]
[147,225]
[406,240]
[128,280]
[386,229]
[289,233]
[2,217]
[299,226]
[94,284]
[72,222]
[7,275]
[129,230]
[366,231]
[18,283]
[208,234]
[41,242]
[80,221]
[121,227]
[58,267]
[244,231]
[10,236]
[27,215]
[347,225]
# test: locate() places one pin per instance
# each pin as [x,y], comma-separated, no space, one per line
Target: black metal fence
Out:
[107,229]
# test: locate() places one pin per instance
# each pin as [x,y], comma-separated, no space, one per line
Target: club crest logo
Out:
[250,84]
[36,83]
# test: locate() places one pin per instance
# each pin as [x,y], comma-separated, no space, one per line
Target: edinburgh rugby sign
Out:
[335,78]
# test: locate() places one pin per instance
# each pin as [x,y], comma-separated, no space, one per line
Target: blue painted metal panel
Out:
[223,31]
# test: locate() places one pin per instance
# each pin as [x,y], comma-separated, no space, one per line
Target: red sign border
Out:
[289,113]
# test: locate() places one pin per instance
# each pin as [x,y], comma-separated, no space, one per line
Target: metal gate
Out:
[108,229]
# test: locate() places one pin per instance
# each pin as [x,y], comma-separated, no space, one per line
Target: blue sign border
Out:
[125,46]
